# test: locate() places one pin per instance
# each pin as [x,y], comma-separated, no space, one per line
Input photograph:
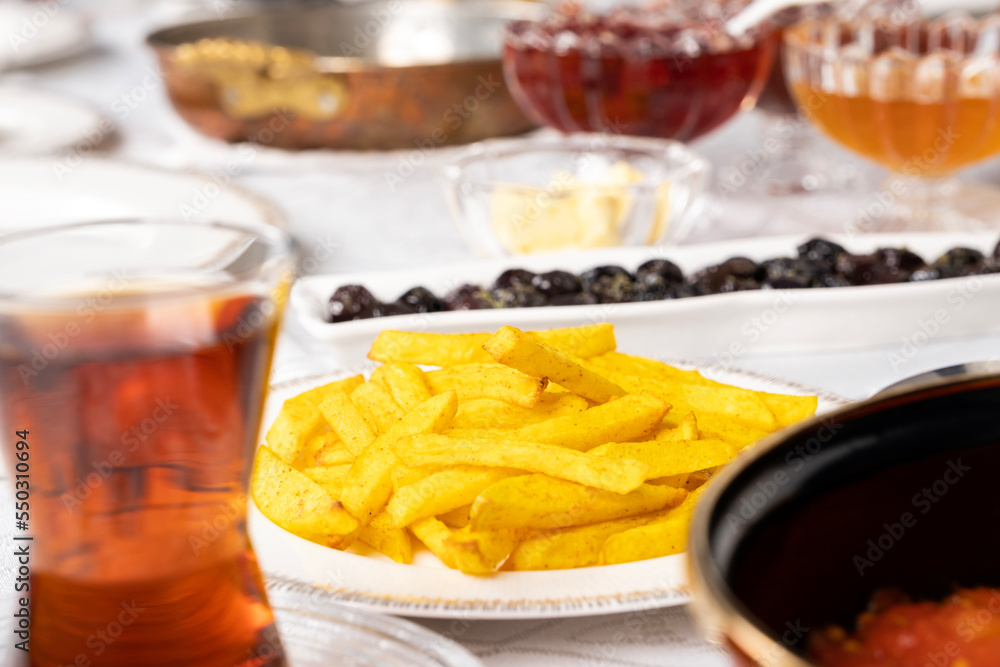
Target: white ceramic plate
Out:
[38,33]
[717,327]
[366,579]
[39,123]
[49,191]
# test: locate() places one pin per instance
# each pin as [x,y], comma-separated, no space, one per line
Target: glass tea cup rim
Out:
[281,251]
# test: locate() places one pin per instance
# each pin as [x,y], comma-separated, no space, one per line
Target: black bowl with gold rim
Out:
[897,492]
[386,74]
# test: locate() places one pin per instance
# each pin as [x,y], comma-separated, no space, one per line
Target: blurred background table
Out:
[348,214]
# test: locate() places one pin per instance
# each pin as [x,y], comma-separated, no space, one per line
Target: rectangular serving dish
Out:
[719,327]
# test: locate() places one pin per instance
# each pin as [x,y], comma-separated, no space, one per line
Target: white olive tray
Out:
[718,327]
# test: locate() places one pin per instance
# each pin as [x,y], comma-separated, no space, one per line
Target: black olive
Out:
[467,297]
[821,250]
[518,296]
[556,283]
[513,278]
[421,300]
[784,282]
[923,275]
[957,261]
[867,270]
[578,299]
[609,284]
[659,272]
[734,275]
[900,260]
[396,308]
[351,302]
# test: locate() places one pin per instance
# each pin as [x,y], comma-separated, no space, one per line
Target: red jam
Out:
[662,72]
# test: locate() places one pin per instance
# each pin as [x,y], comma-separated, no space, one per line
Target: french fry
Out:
[297,422]
[617,364]
[404,475]
[488,381]
[330,478]
[790,409]
[368,484]
[664,536]
[540,501]
[570,547]
[617,475]
[434,535]
[385,538]
[319,394]
[513,347]
[405,382]
[732,403]
[628,418]
[689,481]
[491,413]
[348,422]
[376,403]
[333,452]
[298,504]
[526,450]
[671,458]
[687,429]
[587,341]
[442,492]
[457,518]
[717,427]
[429,349]
[481,553]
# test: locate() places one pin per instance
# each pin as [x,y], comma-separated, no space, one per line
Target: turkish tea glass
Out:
[134,358]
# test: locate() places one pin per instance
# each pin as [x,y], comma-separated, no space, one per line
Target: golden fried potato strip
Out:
[298,504]
[488,381]
[664,536]
[540,501]
[630,417]
[442,492]
[666,458]
[512,347]
[405,381]
[601,472]
[368,484]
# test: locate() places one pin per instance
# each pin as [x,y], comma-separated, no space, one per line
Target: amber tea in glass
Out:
[920,97]
[134,358]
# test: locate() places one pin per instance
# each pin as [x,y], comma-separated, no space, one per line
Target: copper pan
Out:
[374,75]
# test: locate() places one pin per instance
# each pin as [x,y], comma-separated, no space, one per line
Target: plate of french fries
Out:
[506,474]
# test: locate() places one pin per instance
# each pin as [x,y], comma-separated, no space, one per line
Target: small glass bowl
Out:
[316,632]
[512,197]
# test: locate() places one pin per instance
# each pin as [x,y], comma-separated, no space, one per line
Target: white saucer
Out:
[39,123]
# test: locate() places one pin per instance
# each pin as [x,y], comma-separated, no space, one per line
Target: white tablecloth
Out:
[340,202]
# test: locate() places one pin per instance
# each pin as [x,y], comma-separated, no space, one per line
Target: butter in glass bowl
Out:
[574,192]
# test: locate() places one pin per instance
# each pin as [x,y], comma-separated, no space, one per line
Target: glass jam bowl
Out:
[669,70]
